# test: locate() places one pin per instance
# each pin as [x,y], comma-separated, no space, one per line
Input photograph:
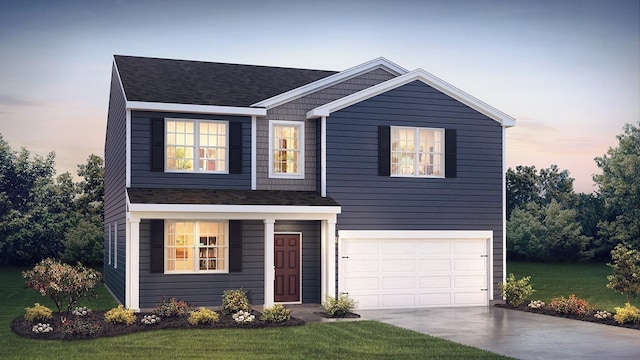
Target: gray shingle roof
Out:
[207,83]
[228,197]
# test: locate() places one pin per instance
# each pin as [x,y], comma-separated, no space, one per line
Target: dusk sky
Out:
[567,71]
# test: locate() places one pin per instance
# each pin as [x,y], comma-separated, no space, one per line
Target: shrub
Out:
[626,271]
[172,307]
[202,316]
[62,282]
[120,315]
[41,328]
[73,328]
[150,320]
[338,307]
[536,304]
[627,314]
[602,315]
[276,313]
[516,291]
[81,311]
[572,305]
[234,301]
[242,317]
[37,313]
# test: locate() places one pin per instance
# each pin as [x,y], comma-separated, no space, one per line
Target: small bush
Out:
[536,304]
[120,315]
[602,315]
[516,291]
[202,316]
[234,301]
[81,311]
[338,307]
[627,314]
[150,320]
[242,317]
[276,313]
[73,328]
[41,328]
[172,307]
[37,313]
[572,305]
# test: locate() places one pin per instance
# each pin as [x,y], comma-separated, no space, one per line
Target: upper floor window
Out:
[195,246]
[417,152]
[286,144]
[196,145]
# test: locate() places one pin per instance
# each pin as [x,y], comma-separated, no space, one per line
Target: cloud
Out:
[9,100]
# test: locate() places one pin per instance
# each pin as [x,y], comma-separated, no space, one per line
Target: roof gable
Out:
[419,75]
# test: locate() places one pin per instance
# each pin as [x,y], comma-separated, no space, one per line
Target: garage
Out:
[413,269]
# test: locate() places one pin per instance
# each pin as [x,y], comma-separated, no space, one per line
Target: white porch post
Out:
[133,266]
[269,267]
[328,266]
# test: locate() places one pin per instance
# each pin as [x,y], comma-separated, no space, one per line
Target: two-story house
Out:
[298,184]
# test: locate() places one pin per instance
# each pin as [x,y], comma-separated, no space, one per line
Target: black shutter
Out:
[157,144]
[157,246]
[235,148]
[235,246]
[450,153]
[384,150]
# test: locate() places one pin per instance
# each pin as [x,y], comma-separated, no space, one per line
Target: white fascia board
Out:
[196,109]
[379,63]
[420,75]
[233,209]
[416,234]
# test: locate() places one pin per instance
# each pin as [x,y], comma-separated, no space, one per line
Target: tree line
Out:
[549,221]
[47,216]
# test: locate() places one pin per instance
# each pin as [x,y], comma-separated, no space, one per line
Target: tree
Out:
[619,187]
[626,271]
[525,184]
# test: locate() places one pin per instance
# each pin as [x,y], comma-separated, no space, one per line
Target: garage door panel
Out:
[434,299]
[435,265]
[434,282]
[362,248]
[361,266]
[398,265]
[363,283]
[469,247]
[397,300]
[465,281]
[398,282]
[475,264]
[390,247]
[469,298]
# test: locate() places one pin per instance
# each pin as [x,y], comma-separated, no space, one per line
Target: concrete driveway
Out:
[515,333]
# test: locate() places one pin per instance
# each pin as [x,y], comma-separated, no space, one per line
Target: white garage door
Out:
[414,269]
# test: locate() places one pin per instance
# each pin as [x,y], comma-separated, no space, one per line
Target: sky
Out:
[568,71]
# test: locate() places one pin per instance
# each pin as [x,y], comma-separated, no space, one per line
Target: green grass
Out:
[335,340]
[586,280]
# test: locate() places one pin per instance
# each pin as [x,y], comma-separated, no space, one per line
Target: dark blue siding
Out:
[142,176]
[114,187]
[470,201]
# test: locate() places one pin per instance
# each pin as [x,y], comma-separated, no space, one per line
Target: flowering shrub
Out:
[536,304]
[516,291]
[338,307]
[73,328]
[150,320]
[276,313]
[202,316]
[572,305]
[234,301]
[172,307]
[602,315]
[62,282]
[81,311]
[120,315]
[41,328]
[242,317]
[37,313]
[627,314]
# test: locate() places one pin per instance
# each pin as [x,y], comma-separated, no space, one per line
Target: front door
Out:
[287,263]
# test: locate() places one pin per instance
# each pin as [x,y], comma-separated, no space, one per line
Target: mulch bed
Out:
[349,315]
[24,328]
[588,317]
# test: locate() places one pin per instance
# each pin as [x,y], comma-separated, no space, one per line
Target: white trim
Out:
[259,210]
[301,146]
[134,285]
[196,146]
[504,210]
[328,276]
[379,63]
[323,156]
[254,146]
[269,268]
[109,250]
[299,233]
[128,148]
[195,109]
[115,245]
[415,234]
[419,75]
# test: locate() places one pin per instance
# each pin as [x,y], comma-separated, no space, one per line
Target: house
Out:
[297,184]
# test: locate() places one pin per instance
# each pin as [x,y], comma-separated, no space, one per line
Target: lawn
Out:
[335,340]
[586,280]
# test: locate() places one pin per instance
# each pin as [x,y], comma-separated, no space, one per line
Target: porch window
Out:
[196,246]
[286,141]
[417,152]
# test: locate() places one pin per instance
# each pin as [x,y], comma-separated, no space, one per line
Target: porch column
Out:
[328,266]
[133,265]
[269,267]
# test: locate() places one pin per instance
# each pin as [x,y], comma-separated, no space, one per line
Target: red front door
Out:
[287,263]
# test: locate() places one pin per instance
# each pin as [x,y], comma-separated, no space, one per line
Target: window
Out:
[286,141]
[417,152]
[109,250]
[196,145]
[194,246]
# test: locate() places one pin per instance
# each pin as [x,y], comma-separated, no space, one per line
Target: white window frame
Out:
[196,254]
[416,158]
[196,146]
[301,156]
